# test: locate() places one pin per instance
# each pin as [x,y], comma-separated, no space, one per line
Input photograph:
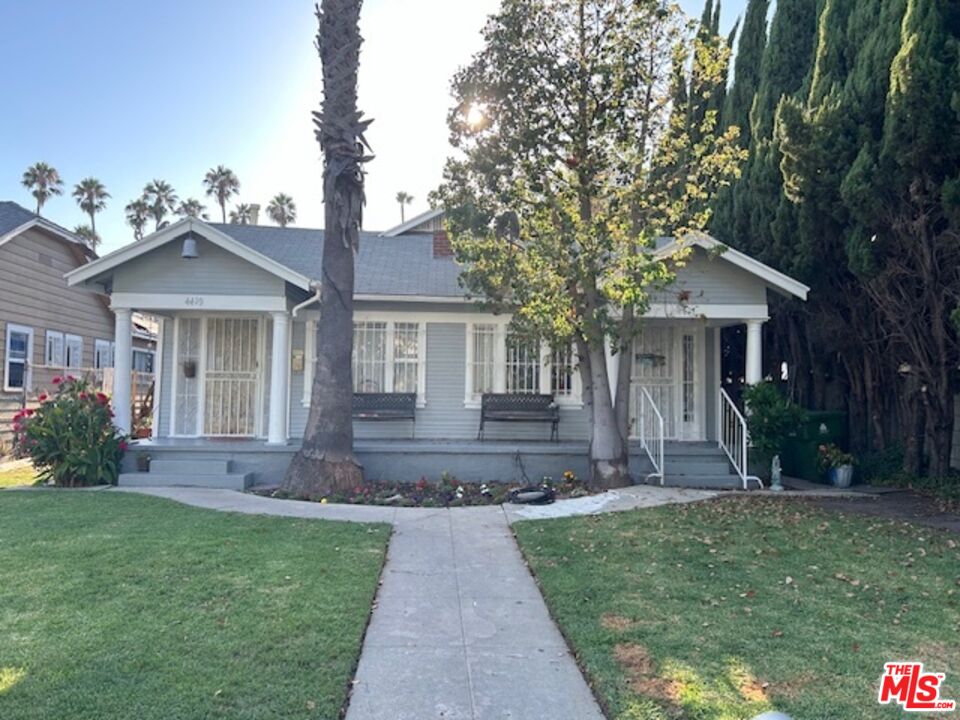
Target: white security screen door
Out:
[666,361]
[231,377]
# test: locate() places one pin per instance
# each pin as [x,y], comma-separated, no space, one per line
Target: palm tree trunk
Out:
[223,211]
[93,224]
[326,462]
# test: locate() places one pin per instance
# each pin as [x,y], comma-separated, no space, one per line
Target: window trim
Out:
[145,351]
[54,335]
[76,339]
[27,361]
[99,344]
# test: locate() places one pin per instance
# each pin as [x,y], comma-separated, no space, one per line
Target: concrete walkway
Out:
[460,630]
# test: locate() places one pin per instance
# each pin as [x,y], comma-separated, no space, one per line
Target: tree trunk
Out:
[608,451]
[326,462]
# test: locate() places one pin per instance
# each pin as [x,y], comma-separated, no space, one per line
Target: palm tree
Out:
[404,198]
[160,196]
[221,183]
[282,210]
[192,208]
[91,196]
[326,462]
[138,213]
[243,215]
[88,235]
[43,181]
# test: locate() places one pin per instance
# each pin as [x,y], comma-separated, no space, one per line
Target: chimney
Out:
[254,213]
[441,244]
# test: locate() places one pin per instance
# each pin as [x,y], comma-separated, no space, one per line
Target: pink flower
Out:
[42,397]
[57,380]
[83,396]
[71,378]
[27,412]
[123,445]
[102,399]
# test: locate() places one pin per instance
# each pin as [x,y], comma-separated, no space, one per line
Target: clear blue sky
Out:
[130,91]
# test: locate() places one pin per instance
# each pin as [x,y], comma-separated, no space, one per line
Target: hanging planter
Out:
[189,368]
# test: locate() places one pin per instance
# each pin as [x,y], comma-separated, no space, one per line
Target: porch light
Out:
[189,251]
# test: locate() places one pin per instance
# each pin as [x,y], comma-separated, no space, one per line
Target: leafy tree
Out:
[282,210]
[138,214]
[403,199]
[162,200]
[325,462]
[221,183]
[43,181]
[242,214]
[575,168]
[192,208]
[91,196]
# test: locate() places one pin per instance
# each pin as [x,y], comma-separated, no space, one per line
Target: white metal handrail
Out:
[651,433]
[734,438]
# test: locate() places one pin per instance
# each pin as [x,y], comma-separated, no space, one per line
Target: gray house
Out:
[238,313]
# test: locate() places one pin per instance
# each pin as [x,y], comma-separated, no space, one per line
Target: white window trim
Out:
[310,353]
[471,400]
[103,348]
[28,372]
[77,340]
[145,351]
[54,335]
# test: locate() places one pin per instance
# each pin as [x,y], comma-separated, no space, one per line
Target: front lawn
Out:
[123,606]
[725,609]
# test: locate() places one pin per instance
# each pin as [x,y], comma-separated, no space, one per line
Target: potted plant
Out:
[143,462]
[837,464]
[771,419]
[142,429]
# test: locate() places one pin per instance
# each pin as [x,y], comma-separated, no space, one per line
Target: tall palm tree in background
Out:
[43,181]
[242,215]
[282,210]
[192,208]
[222,184]
[87,234]
[325,461]
[404,198]
[162,199]
[138,213]
[91,196]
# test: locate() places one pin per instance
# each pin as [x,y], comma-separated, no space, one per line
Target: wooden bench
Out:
[385,406]
[519,407]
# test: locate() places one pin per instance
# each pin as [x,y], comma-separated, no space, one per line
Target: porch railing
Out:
[733,438]
[650,423]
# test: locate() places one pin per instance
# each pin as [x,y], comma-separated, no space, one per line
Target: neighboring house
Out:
[238,311]
[48,328]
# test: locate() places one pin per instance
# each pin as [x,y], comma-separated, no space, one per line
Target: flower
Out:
[42,397]
[71,378]
[102,399]
[27,412]
[123,445]
[57,380]
[83,396]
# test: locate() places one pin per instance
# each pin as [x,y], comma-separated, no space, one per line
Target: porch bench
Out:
[519,407]
[385,406]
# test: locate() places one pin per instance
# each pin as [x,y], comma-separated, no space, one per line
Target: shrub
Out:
[70,437]
[831,456]
[771,417]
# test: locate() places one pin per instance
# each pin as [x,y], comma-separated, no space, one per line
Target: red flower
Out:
[57,380]
[42,397]
[83,396]
[123,445]
[102,399]
[70,378]
[27,412]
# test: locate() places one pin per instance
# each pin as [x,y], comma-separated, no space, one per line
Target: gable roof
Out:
[413,222]
[16,219]
[776,280]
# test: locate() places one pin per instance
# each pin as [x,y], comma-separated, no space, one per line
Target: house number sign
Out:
[193,301]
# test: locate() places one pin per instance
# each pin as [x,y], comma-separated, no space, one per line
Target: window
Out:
[16,371]
[142,360]
[102,354]
[74,351]
[54,353]
[370,357]
[406,357]
[498,361]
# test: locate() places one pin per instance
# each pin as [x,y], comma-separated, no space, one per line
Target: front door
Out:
[230,377]
[667,363]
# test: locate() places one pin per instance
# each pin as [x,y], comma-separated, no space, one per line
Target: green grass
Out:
[725,609]
[24,475]
[122,606]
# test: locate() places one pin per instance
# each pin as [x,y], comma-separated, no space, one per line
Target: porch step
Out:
[225,481]
[707,482]
[190,467]
[701,466]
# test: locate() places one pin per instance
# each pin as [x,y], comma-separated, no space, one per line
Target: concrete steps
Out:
[699,465]
[188,473]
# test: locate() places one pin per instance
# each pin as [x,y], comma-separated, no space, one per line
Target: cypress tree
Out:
[746,68]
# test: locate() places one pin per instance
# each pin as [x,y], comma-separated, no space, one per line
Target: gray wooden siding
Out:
[711,279]
[33,293]
[215,271]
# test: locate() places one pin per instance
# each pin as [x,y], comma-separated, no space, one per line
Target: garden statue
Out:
[776,472]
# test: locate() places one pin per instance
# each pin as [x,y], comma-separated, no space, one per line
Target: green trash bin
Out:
[800,452]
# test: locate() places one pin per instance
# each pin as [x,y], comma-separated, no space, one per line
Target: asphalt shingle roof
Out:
[402,265]
[13,216]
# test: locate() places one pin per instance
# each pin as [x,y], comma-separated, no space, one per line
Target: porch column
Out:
[122,367]
[613,369]
[279,379]
[754,369]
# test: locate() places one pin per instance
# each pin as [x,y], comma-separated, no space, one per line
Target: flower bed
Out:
[447,492]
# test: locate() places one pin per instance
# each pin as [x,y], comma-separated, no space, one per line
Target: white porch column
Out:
[754,369]
[613,369]
[122,368]
[279,379]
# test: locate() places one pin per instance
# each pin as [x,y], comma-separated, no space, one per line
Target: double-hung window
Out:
[102,354]
[500,362]
[54,355]
[73,357]
[19,347]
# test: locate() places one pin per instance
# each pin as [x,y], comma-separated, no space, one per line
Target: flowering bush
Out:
[71,437]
